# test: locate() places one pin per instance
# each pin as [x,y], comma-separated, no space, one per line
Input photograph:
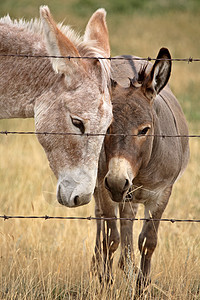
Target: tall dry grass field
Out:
[50,259]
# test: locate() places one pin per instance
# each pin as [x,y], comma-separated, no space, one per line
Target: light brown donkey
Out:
[142,165]
[63,95]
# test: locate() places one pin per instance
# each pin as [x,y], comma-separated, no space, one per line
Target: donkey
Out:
[140,166]
[62,95]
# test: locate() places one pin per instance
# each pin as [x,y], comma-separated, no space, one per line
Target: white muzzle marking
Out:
[119,178]
[75,188]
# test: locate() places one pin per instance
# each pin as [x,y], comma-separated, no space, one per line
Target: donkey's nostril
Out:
[76,200]
[106,184]
[127,185]
[59,196]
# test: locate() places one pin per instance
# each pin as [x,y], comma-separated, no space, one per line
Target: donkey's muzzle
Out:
[71,198]
[118,187]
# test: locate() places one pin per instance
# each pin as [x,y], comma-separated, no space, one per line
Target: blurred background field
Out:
[51,259]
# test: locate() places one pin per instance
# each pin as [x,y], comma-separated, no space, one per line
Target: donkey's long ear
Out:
[159,74]
[58,45]
[97,30]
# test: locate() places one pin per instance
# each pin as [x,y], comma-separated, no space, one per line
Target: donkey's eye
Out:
[79,124]
[143,131]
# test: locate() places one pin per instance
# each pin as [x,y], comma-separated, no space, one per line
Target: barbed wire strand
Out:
[6,132]
[90,218]
[128,57]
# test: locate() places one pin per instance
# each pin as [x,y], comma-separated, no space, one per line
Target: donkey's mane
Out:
[140,77]
[142,73]
[85,48]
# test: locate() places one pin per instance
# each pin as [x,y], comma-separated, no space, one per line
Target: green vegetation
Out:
[82,7]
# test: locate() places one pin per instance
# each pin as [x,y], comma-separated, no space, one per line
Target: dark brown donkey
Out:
[141,166]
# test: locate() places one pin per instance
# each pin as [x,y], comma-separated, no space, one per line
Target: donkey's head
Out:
[78,103]
[134,116]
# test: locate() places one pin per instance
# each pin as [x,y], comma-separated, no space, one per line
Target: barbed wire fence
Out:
[91,218]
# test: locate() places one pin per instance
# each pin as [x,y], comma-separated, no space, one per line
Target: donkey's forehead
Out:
[86,100]
[130,106]
[129,92]
[131,100]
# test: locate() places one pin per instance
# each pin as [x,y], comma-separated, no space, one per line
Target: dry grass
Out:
[51,259]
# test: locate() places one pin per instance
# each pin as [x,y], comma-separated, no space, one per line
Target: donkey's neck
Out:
[22,79]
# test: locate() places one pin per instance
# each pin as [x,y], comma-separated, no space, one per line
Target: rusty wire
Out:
[90,218]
